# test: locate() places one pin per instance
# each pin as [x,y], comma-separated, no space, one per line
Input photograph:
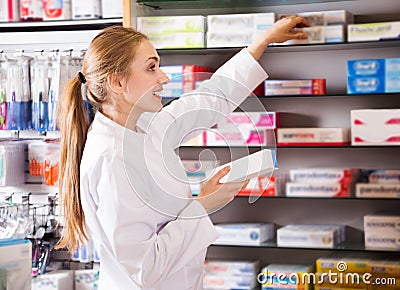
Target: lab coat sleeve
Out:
[131,229]
[216,98]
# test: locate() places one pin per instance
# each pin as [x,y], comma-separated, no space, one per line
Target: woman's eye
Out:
[152,68]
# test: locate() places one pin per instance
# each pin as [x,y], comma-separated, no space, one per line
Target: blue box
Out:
[365,85]
[366,67]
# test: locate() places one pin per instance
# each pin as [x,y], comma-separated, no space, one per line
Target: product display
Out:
[329,195]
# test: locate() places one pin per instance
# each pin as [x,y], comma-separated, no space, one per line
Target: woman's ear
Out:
[115,83]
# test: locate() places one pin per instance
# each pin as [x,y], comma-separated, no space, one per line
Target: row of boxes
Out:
[366,76]
[34,10]
[67,280]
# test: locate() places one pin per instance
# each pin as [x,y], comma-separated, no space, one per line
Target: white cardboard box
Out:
[376,190]
[257,164]
[171,24]
[373,31]
[244,233]
[313,136]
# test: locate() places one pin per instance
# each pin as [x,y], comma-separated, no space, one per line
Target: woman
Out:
[121,178]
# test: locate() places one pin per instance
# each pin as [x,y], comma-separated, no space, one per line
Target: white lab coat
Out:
[137,203]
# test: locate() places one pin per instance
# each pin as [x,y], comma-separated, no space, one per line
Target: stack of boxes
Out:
[321,182]
[236,30]
[325,27]
[230,274]
[174,31]
[379,184]
[382,231]
[372,76]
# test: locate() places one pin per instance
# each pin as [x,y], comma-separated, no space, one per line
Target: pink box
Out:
[238,137]
[265,120]
[313,136]
[375,127]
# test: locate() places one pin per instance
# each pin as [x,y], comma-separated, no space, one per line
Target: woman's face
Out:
[145,82]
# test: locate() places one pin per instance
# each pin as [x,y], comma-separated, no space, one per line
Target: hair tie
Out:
[81,78]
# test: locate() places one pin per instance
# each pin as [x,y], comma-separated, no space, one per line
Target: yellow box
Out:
[335,265]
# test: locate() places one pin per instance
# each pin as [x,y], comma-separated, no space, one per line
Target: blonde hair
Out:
[111,51]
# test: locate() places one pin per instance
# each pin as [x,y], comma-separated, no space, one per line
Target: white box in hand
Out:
[257,164]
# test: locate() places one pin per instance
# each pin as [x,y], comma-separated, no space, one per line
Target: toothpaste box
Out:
[310,236]
[382,224]
[324,175]
[61,280]
[171,24]
[313,136]
[295,87]
[249,22]
[373,31]
[382,242]
[177,40]
[384,268]
[238,136]
[380,176]
[232,268]
[373,76]
[334,264]
[260,163]
[375,127]
[331,17]
[320,34]
[296,189]
[283,276]
[57,10]
[265,120]
[244,233]
[111,9]
[229,38]
[211,281]
[369,190]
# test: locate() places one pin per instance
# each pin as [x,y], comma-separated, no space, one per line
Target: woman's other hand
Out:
[214,195]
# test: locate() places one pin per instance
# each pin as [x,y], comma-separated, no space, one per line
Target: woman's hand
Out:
[279,32]
[214,195]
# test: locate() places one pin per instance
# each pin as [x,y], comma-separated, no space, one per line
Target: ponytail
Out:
[73,123]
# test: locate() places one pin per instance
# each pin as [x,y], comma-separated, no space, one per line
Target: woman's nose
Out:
[164,79]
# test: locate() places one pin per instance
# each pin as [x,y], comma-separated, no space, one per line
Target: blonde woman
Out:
[121,180]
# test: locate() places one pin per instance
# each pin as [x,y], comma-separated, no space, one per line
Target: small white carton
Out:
[373,31]
[244,233]
[257,164]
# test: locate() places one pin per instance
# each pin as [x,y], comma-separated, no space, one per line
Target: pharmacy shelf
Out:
[208,4]
[352,198]
[288,147]
[346,246]
[28,134]
[285,48]
[84,24]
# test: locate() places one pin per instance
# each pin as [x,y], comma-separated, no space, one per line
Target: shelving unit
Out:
[330,110]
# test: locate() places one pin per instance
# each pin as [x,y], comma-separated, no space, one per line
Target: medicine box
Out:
[57,10]
[267,120]
[295,189]
[291,276]
[86,9]
[313,136]
[171,24]
[229,38]
[330,17]
[333,264]
[239,136]
[232,268]
[248,22]
[382,224]
[211,281]
[366,76]
[260,163]
[244,233]
[375,127]
[373,31]
[310,236]
[370,190]
[177,40]
[380,176]
[111,9]
[324,175]
[384,268]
